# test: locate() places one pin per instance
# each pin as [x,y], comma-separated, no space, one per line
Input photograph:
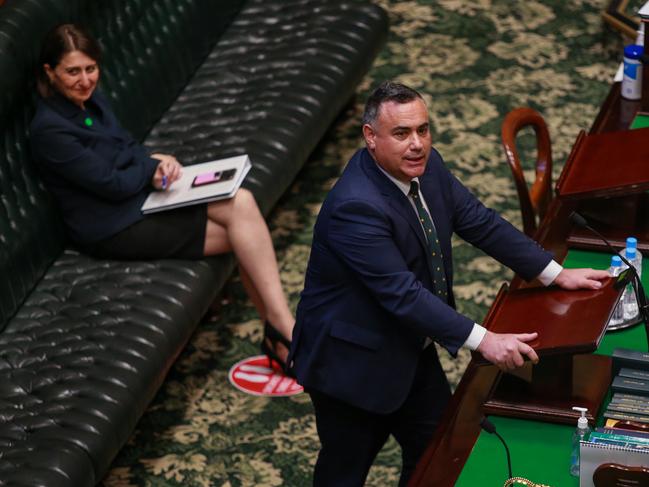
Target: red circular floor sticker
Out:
[259,377]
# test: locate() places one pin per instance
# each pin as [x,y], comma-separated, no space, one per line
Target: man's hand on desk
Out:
[572,279]
[506,350]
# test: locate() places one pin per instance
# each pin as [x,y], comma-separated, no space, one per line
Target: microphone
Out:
[638,289]
[490,428]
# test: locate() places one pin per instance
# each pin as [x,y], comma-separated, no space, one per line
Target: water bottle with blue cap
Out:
[618,313]
[632,243]
[633,255]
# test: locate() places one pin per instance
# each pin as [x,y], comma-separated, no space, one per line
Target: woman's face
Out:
[75,77]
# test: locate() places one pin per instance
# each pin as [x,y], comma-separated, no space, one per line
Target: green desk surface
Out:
[541,451]
[641,120]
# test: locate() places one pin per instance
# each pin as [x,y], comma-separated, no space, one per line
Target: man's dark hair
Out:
[386,92]
[60,41]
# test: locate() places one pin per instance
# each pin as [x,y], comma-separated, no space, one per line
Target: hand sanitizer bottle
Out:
[618,312]
[580,434]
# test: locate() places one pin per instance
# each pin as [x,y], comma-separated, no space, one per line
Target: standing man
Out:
[378,291]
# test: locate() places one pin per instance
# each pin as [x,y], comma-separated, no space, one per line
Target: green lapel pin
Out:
[88,122]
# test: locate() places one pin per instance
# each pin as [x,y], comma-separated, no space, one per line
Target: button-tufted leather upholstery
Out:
[280,74]
[86,343]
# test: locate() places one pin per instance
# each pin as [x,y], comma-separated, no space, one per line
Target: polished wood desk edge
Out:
[603,119]
[616,112]
[444,459]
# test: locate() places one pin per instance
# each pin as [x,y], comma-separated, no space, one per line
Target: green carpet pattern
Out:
[473,61]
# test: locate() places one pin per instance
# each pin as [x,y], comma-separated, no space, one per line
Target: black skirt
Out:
[172,234]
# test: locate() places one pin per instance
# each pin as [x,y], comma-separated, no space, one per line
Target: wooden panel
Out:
[567,322]
[584,382]
[608,164]
[616,113]
[615,218]
[443,460]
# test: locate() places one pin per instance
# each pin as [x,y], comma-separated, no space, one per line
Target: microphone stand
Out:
[638,289]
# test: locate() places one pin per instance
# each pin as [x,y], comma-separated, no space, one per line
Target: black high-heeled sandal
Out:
[274,337]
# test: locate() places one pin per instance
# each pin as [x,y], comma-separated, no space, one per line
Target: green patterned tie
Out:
[436,262]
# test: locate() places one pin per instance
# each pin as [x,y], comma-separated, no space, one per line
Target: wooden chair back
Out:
[535,199]
[616,475]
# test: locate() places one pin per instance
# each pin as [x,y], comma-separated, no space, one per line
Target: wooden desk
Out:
[615,217]
[540,451]
[444,459]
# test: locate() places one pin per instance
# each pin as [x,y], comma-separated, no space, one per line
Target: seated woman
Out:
[101,176]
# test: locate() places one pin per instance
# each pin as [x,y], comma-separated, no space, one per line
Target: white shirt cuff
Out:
[475,337]
[550,273]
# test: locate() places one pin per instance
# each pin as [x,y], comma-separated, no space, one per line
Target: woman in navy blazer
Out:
[100,176]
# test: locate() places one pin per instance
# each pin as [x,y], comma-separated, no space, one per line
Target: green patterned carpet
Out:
[474,61]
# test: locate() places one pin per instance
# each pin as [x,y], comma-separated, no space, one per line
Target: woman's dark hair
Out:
[386,92]
[57,43]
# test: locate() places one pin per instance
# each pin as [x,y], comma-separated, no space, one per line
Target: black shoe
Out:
[269,344]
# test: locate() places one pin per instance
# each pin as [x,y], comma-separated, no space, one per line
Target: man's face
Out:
[399,139]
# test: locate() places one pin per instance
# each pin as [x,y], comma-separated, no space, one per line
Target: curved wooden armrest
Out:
[616,475]
[535,200]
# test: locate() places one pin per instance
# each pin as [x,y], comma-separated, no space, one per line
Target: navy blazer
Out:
[367,305]
[99,175]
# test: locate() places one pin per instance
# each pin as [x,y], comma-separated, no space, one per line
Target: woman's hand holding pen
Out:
[168,171]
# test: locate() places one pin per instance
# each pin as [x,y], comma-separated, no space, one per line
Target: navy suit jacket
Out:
[99,175]
[367,305]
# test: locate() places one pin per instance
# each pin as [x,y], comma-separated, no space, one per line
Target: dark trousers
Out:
[351,437]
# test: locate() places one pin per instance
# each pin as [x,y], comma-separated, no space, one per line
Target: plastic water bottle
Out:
[633,255]
[629,303]
[580,434]
[618,313]
[632,243]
